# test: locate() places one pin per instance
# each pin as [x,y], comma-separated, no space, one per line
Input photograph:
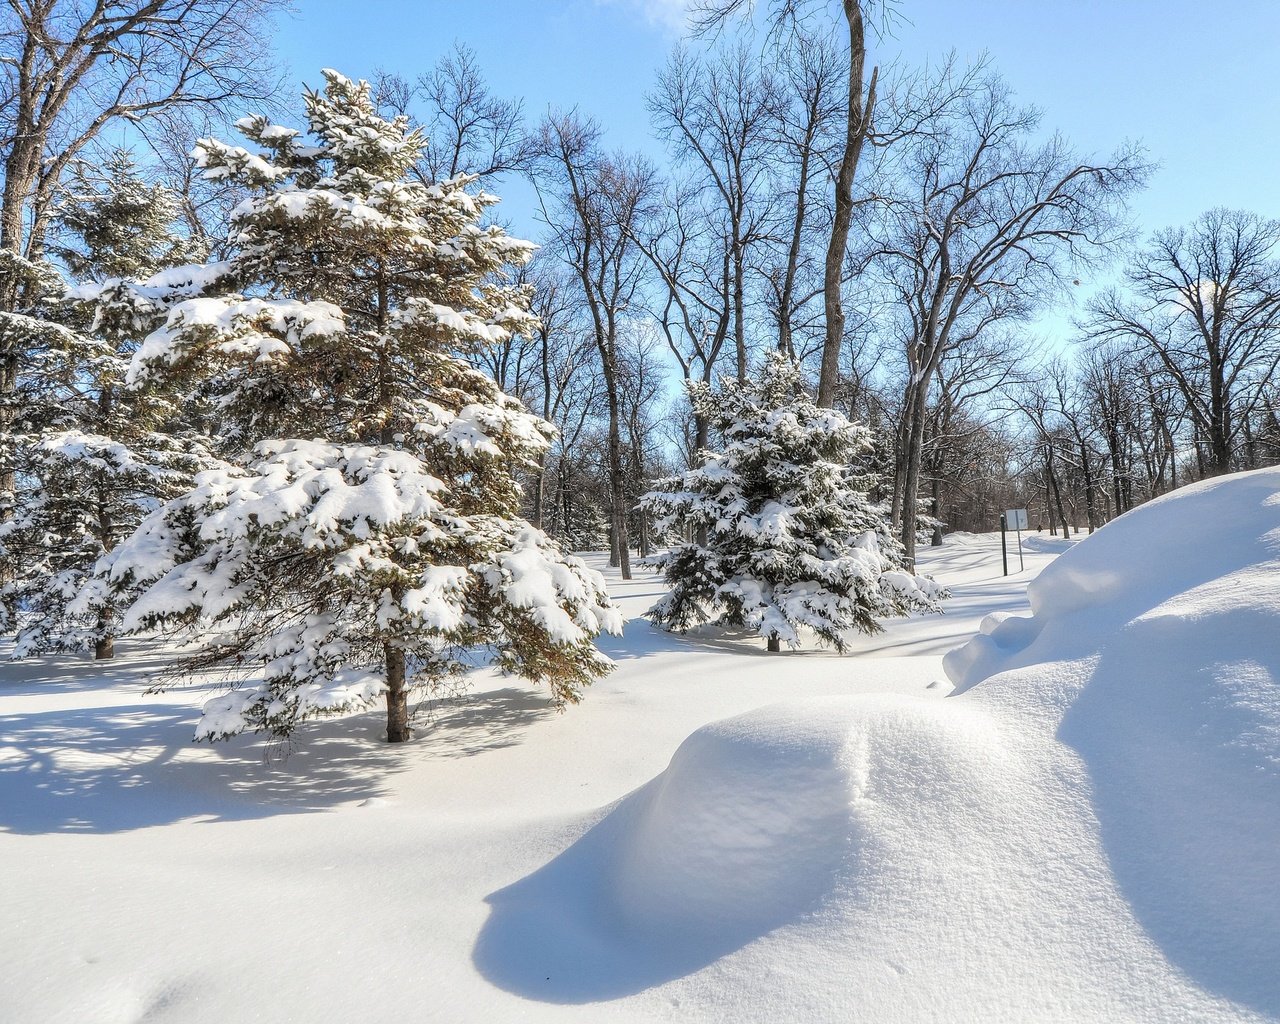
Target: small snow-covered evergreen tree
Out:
[792,540]
[367,538]
[95,457]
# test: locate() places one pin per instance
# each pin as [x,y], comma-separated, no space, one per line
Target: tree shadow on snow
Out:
[467,724]
[136,664]
[640,638]
[115,769]
[118,768]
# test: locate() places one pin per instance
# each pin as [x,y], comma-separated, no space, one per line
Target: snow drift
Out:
[1088,830]
[1153,651]
[775,818]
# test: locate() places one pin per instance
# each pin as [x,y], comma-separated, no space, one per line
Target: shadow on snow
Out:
[557,935]
[118,768]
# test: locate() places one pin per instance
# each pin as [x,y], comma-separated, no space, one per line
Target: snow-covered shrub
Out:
[792,541]
[367,537]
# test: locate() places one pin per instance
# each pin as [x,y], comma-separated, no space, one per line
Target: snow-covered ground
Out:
[1088,832]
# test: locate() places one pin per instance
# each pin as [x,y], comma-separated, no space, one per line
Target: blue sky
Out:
[1198,84]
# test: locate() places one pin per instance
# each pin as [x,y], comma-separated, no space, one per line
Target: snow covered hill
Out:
[1085,831]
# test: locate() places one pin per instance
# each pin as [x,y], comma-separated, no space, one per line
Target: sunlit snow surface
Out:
[1087,829]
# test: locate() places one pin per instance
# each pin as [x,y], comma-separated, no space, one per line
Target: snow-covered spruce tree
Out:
[792,540]
[95,457]
[367,540]
[26,329]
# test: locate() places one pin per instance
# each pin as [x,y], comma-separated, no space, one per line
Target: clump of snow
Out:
[812,818]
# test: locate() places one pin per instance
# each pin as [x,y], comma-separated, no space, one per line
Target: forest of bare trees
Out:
[916,238]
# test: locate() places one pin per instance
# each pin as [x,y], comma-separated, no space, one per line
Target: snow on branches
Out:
[318,557]
[785,538]
[365,536]
[94,456]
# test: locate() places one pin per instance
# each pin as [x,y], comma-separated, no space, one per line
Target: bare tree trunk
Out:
[1057,491]
[739,309]
[857,123]
[1048,499]
[540,491]
[1090,494]
[20,173]
[617,495]
[937,509]
[903,445]
[775,645]
[911,483]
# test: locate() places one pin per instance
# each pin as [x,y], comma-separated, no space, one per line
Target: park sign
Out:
[1012,519]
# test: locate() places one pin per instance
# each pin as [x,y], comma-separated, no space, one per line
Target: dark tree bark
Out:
[398,730]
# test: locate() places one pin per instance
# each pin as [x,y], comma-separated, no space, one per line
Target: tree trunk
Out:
[1057,493]
[19,177]
[540,492]
[1090,493]
[911,483]
[105,648]
[902,443]
[617,494]
[857,121]
[775,645]
[397,695]
[937,509]
[739,308]
[787,298]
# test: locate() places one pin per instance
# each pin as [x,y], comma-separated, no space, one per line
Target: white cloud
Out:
[670,15]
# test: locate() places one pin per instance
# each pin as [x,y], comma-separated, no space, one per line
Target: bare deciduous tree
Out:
[859,107]
[693,300]
[980,225]
[469,130]
[717,113]
[1205,300]
[592,203]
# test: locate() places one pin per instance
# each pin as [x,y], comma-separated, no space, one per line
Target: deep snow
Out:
[1086,832]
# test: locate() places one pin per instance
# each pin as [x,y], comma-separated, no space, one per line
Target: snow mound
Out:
[1087,830]
[758,818]
[1153,652]
[788,819]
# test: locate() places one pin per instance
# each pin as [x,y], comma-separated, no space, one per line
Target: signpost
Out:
[1012,519]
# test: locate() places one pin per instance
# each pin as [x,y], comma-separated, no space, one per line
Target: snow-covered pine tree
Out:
[368,539]
[94,457]
[792,540]
[26,329]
